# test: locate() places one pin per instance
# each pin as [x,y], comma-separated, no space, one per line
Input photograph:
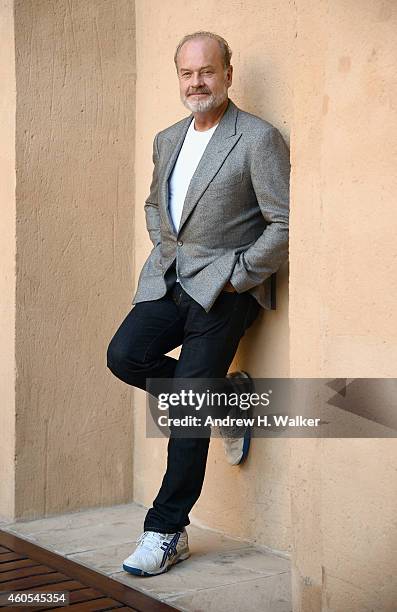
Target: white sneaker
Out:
[237,447]
[157,552]
[236,438]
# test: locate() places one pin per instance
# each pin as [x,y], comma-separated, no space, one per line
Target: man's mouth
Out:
[201,93]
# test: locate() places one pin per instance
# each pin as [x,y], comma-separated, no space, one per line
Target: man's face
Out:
[203,80]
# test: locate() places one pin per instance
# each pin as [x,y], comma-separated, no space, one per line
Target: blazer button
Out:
[180,242]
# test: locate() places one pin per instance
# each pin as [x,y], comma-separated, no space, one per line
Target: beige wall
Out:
[343,296]
[75,74]
[7,258]
[257,505]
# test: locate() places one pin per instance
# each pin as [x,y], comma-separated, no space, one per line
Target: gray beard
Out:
[201,106]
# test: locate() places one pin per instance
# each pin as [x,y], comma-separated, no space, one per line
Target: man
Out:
[217,216]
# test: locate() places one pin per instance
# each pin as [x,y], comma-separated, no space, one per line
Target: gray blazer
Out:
[234,223]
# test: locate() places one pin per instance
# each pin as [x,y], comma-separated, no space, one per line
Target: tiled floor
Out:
[222,573]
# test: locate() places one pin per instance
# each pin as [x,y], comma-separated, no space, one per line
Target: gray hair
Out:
[224,47]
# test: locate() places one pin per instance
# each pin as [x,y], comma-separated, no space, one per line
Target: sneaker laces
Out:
[155,537]
[150,535]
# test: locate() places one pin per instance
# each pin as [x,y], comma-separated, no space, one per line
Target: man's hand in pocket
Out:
[229,287]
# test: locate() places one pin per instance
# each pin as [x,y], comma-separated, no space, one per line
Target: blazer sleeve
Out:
[152,213]
[270,170]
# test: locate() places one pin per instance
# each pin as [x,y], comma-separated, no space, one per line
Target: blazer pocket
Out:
[153,265]
[226,183]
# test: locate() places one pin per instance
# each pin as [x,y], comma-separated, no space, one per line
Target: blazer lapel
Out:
[170,157]
[218,148]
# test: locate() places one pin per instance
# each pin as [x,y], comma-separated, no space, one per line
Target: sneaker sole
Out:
[138,572]
[246,446]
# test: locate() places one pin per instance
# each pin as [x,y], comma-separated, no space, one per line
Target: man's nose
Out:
[197,80]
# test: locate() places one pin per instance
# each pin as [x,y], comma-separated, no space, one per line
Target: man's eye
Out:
[186,74]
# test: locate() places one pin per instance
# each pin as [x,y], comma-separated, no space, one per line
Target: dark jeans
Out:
[209,342]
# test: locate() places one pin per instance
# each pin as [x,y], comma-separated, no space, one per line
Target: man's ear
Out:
[229,74]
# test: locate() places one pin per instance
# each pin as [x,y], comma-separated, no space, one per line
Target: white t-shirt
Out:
[188,159]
